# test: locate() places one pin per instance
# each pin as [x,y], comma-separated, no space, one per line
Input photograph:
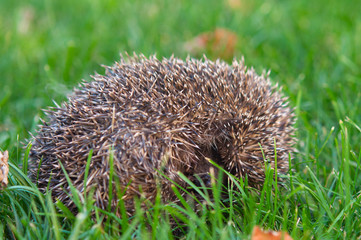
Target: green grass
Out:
[312,48]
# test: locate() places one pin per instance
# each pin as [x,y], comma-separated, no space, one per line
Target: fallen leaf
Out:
[259,234]
[243,6]
[220,43]
[4,169]
[26,19]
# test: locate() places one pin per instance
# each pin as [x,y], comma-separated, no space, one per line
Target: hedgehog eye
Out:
[202,179]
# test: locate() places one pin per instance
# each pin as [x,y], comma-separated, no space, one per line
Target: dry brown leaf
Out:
[234,4]
[4,169]
[259,234]
[220,43]
[26,19]
[243,6]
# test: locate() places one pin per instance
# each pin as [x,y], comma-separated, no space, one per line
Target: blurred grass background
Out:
[313,49]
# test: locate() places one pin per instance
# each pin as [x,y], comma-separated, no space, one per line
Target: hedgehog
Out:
[149,120]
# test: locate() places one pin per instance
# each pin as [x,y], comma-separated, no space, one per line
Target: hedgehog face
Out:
[243,146]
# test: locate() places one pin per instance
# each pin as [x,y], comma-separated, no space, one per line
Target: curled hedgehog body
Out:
[160,118]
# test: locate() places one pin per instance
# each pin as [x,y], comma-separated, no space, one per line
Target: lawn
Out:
[313,49]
